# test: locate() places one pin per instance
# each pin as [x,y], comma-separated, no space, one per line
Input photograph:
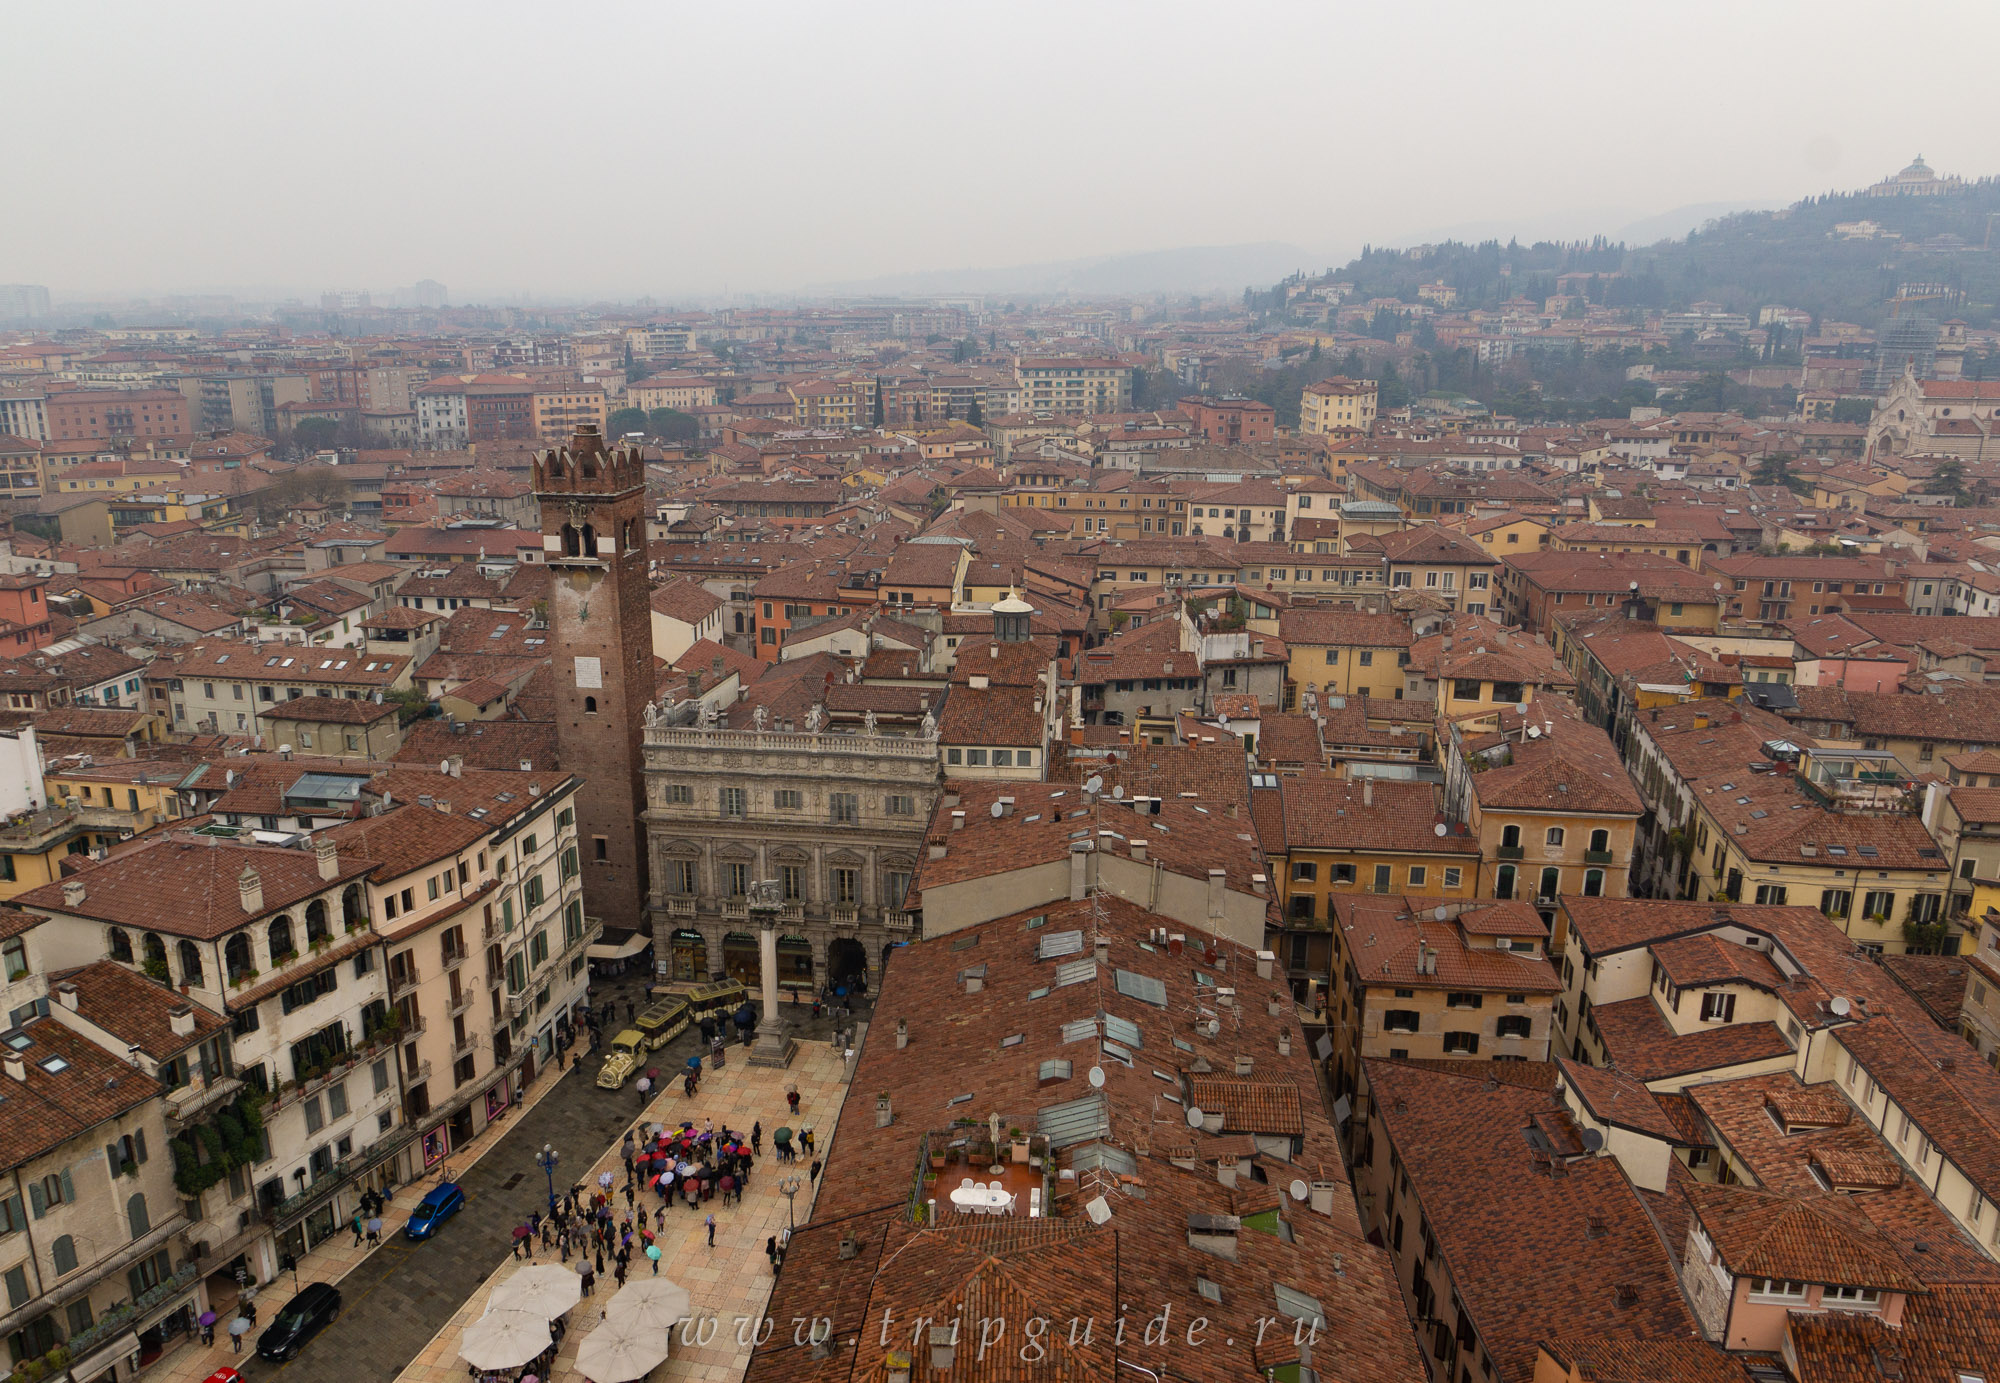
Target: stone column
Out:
[774,1046]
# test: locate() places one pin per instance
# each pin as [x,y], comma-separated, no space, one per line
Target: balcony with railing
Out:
[402,981]
[1866,780]
[189,1103]
[680,905]
[1509,852]
[455,957]
[459,1003]
[844,915]
[736,909]
[464,1046]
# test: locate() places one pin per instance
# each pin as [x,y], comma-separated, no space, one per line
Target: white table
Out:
[979,1200]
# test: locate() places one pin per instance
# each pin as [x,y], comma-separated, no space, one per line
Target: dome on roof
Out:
[1917,169]
[1012,604]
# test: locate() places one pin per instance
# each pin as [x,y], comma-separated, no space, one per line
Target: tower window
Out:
[598,846]
[590,705]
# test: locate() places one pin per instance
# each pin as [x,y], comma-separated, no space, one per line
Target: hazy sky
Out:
[676,149]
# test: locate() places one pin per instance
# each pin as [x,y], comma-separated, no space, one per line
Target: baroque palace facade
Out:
[835,820]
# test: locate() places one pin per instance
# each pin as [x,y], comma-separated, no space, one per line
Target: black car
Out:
[299,1319]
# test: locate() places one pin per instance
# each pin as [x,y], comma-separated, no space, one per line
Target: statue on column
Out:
[759,718]
[815,718]
[930,727]
[868,720]
[651,715]
[705,715]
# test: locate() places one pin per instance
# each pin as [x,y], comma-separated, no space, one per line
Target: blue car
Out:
[440,1205]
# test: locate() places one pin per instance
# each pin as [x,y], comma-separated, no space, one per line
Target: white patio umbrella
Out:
[650,1301]
[620,1350]
[546,1290]
[504,1340]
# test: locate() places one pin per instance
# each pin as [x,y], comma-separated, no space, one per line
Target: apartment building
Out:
[1074,385]
[1413,978]
[1741,811]
[227,687]
[1547,797]
[475,894]
[558,413]
[1338,405]
[104,1072]
[1343,653]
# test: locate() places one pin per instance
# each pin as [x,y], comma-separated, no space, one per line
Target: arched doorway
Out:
[687,955]
[739,959]
[795,963]
[845,958]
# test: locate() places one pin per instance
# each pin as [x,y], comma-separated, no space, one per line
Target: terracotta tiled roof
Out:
[1816,1239]
[135,1010]
[1935,982]
[186,888]
[1248,1106]
[1323,812]
[46,1109]
[1946,1335]
[1639,1042]
[1553,1254]
[1612,1097]
[1708,960]
[1610,1359]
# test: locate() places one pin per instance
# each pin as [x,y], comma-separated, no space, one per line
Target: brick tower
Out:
[594,539]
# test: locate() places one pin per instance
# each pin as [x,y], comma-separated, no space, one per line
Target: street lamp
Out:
[788,1187]
[546,1159]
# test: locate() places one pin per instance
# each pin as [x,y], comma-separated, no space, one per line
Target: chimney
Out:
[444,805]
[1256,648]
[181,1019]
[1285,1042]
[1079,870]
[944,1346]
[884,1115]
[902,1033]
[1367,792]
[1102,950]
[327,856]
[72,893]
[1216,881]
[455,765]
[250,887]
[16,1067]
[1139,851]
[958,820]
[67,996]
[1243,1065]
[1322,1197]
[1006,805]
[896,1367]
[1265,960]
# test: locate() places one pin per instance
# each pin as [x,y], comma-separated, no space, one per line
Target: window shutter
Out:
[69,1188]
[139,1142]
[35,1199]
[112,1160]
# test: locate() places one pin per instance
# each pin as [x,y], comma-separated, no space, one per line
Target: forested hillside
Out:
[1792,257]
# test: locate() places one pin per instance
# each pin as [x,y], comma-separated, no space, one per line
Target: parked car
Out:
[442,1202]
[299,1319]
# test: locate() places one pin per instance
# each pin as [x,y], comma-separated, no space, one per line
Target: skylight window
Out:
[54,1065]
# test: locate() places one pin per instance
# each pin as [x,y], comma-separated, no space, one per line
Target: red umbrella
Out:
[522,1232]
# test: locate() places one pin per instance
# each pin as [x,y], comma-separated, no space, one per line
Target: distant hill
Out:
[1194,269]
[1791,256]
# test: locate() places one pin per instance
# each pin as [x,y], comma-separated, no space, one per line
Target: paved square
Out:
[732,1279]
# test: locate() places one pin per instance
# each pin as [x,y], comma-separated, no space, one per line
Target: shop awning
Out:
[625,950]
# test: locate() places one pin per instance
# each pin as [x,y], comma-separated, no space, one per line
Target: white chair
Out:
[966,1185]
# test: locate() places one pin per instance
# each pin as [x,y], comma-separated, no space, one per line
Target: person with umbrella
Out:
[238,1328]
[645,1088]
[375,1229]
[208,1327]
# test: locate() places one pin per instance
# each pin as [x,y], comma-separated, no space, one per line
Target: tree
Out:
[1776,469]
[961,350]
[672,425]
[628,420]
[974,416]
[315,434]
[1853,411]
[878,401]
[1949,479]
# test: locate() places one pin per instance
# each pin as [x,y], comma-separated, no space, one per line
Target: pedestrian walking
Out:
[631,1011]
[771,1251]
[711,1231]
[815,1169]
[589,1278]
[806,1137]
[757,1138]
[360,1224]
[645,1089]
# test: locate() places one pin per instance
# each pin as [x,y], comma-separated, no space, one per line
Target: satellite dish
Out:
[996,811]
[1096,1078]
[1592,1140]
[1841,1005]
[1440,829]
[1212,1027]
[1299,1190]
[1441,912]
[444,766]
[1096,783]
[1195,1116]
[1099,1210]
[1118,793]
